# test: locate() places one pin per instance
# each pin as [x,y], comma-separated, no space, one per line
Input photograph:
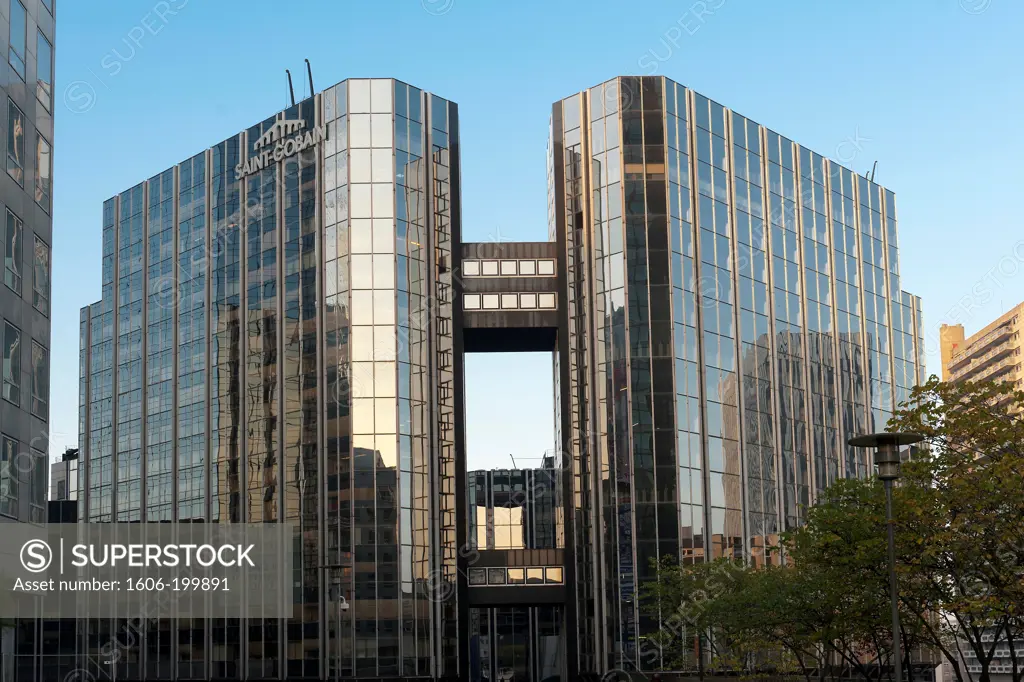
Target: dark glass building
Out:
[26,193]
[512,510]
[735,314]
[25,218]
[281,336]
[260,353]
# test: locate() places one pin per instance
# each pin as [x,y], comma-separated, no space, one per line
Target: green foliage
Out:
[958,513]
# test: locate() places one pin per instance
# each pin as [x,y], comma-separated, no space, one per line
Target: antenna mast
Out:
[291,90]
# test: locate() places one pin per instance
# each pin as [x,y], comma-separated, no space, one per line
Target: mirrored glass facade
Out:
[734,314]
[274,342]
[514,510]
[281,333]
[27,132]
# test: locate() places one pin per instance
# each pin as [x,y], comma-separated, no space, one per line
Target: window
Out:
[19,29]
[41,277]
[9,477]
[12,363]
[15,141]
[44,70]
[40,380]
[37,493]
[42,172]
[12,252]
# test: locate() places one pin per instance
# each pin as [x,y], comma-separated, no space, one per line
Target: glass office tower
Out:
[25,217]
[26,191]
[263,351]
[734,315]
[281,336]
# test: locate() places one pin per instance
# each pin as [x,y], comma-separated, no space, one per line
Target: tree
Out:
[685,602]
[842,551]
[966,505]
[792,619]
[776,616]
[958,512]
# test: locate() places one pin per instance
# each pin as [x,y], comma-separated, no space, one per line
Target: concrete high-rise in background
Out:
[26,189]
[991,354]
[281,337]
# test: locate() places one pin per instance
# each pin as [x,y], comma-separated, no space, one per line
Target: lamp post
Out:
[887,459]
[341,603]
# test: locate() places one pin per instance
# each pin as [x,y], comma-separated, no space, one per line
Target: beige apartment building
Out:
[992,354]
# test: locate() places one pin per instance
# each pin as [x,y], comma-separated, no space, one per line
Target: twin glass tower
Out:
[281,335]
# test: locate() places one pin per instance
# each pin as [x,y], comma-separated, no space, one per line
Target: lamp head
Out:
[887,450]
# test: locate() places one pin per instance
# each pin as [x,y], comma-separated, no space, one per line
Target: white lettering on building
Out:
[275,145]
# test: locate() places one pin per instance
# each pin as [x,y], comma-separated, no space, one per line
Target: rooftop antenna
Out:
[309,72]
[874,167]
[514,465]
[291,90]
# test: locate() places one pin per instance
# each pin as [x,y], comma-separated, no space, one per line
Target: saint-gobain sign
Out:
[284,139]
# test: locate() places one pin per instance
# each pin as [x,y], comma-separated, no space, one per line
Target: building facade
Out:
[260,354]
[515,509]
[991,354]
[26,190]
[64,477]
[281,337]
[736,314]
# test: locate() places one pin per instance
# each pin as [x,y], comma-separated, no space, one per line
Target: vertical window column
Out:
[789,328]
[339,338]
[821,348]
[160,339]
[129,382]
[191,312]
[716,300]
[755,359]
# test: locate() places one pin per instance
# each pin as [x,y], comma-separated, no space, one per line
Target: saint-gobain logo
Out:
[282,140]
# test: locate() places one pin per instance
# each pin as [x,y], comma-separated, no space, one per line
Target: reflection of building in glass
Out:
[735,314]
[281,333]
[274,342]
[26,223]
[515,508]
[512,509]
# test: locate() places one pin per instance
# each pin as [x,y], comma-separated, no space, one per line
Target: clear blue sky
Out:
[928,88]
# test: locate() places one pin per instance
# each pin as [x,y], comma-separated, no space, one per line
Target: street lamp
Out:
[887,459]
[342,605]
